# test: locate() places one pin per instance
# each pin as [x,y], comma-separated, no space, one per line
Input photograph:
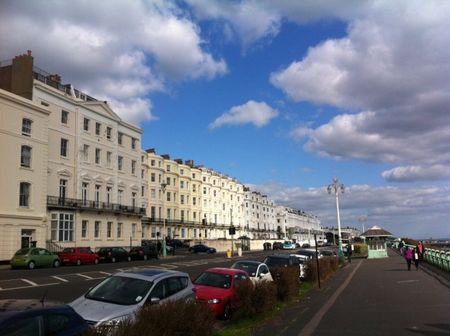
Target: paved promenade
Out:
[371,297]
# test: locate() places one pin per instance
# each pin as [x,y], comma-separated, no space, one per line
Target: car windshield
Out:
[250,268]
[274,262]
[120,290]
[214,280]
[68,250]
[23,251]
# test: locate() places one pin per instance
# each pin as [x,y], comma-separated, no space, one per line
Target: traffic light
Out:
[232,230]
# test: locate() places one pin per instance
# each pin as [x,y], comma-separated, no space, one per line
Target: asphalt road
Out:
[64,284]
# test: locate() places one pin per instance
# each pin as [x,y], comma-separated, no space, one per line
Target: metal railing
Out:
[438,258]
[54,202]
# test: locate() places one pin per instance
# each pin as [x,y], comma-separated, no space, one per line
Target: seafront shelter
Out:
[376,239]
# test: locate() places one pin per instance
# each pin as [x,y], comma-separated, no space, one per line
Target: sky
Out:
[281,95]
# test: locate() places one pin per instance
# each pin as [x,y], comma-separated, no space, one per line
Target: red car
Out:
[216,286]
[78,256]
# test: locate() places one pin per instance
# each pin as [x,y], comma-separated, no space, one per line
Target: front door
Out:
[26,238]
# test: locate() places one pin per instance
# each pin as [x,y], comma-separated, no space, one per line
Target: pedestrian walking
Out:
[420,250]
[401,247]
[349,253]
[408,257]
[416,258]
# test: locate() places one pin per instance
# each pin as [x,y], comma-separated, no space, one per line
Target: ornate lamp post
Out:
[335,188]
[163,244]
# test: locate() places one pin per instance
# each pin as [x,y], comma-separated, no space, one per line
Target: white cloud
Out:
[120,50]
[256,113]
[392,72]
[408,212]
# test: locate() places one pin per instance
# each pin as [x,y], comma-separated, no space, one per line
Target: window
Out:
[194,188]
[119,138]
[119,162]
[182,199]
[98,153]
[84,191]
[152,193]
[62,226]
[24,195]
[152,163]
[98,128]
[25,156]
[181,171]
[152,177]
[119,196]
[108,133]
[108,194]
[108,159]
[168,168]
[97,229]
[194,200]
[84,228]
[64,117]
[168,196]
[133,143]
[26,126]
[62,188]
[119,230]
[133,199]
[109,229]
[181,184]
[168,181]
[133,230]
[133,167]
[86,124]
[64,143]
[97,194]
[86,153]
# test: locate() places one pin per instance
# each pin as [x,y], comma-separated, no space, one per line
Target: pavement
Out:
[371,297]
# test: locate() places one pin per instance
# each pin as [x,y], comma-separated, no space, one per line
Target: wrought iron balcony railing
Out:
[54,202]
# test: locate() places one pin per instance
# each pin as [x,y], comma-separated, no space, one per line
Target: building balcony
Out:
[54,202]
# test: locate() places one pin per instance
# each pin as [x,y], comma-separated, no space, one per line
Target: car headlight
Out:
[214,300]
[115,321]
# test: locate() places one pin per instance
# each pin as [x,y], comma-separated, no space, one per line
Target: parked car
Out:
[256,270]
[276,261]
[216,287]
[288,245]
[144,252]
[119,296]
[306,245]
[277,246]
[78,256]
[308,254]
[113,254]
[328,253]
[202,248]
[32,317]
[34,257]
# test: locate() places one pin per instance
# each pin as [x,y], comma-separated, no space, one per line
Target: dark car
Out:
[113,254]
[328,253]
[202,248]
[277,246]
[78,256]
[308,254]
[144,252]
[275,261]
[32,317]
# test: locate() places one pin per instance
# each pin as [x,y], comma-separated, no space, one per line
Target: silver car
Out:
[119,296]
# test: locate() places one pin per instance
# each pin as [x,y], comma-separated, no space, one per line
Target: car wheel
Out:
[226,312]
[31,265]
[113,259]
[96,261]
[78,262]
[56,263]
[145,257]
[129,259]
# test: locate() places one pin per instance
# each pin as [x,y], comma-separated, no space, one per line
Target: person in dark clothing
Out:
[349,253]
[416,258]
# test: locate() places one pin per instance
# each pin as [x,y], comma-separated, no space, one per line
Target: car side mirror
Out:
[154,300]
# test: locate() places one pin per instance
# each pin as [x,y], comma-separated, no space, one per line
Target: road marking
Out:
[168,266]
[407,281]
[29,282]
[60,279]
[311,326]
[84,276]
[106,273]
[25,287]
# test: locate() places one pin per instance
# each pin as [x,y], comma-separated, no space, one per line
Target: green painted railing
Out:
[438,258]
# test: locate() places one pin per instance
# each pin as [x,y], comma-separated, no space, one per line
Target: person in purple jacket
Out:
[408,256]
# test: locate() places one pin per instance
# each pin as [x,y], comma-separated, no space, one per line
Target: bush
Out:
[327,266]
[254,299]
[169,318]
[287,282]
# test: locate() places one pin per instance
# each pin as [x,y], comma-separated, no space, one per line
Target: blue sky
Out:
[281,95]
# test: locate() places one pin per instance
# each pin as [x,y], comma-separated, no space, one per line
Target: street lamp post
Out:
[362,219]
[163,244]
[335,188]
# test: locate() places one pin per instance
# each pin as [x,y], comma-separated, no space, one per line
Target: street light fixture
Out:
[163,244]
[335,188]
